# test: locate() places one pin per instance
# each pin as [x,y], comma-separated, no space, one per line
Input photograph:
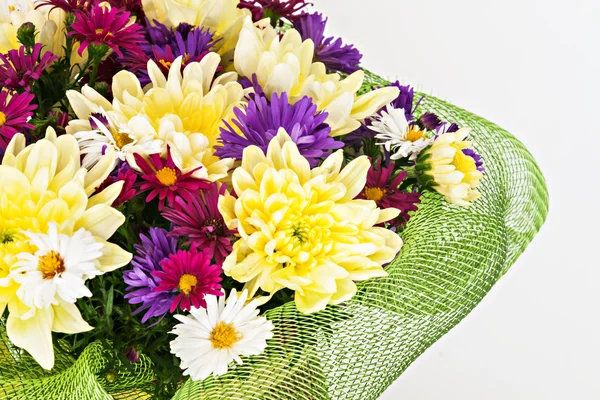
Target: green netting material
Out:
[451,258]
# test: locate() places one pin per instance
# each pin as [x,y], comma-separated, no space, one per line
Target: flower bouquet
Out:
[213,200]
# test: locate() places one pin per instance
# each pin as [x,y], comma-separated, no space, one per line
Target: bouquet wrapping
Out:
[213,200]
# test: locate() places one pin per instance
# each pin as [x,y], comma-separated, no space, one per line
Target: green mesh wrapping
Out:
[451,258]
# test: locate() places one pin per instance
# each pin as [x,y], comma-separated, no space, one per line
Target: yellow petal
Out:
[34,335]
[107,196]
[113,257]
[101,220]
[67,319]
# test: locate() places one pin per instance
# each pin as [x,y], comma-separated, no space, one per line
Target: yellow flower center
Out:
[164,63]
[374,193]
[187,282]
[99,32]
[414,134]
[464,163]
[167,176]
[122,139]
[2,118]
[50,265]
[6,236]
[11,8]
[224,336]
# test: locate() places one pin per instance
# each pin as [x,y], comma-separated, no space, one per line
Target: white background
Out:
[533,67]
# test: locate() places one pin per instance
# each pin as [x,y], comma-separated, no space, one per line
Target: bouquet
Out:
[212,199]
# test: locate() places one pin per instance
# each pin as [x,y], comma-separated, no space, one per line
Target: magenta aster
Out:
[200,221]
[165,180]
[67,5]
[384,189]
[110,27]
[18,69]
[130,187]
[192,275]
[15,111]
[288,9]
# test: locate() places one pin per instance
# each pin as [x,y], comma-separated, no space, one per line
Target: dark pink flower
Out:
[165,180]
[110,27]
[67,5]
[14,114]
[192,275]
[288,9]
[201,222]
[18,69]
[384,188]
[130,187]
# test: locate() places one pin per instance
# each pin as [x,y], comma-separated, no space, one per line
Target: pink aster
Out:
[68,6]
[18,69]
[288,9]
[200,221]
[192,276]
[110,27]
[14,114]
[128,176]
[165,180]
[384,188]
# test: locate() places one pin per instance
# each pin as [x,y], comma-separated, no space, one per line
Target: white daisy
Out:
[208,340]
[398,136]
[58,269]
[108,133]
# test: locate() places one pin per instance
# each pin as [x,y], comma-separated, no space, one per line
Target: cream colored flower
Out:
[222,17]
[301,229]
[183,112]
[53,231]
[285,65]
[454,173]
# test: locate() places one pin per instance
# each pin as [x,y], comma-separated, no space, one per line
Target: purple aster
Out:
[154,248]
[164,45]
[429,121]
[18,68]
[330,51]
[446,127]
[275,9]
[261,119]
[476,157]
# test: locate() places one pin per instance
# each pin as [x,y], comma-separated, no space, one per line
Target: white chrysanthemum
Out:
[397,135]
[93,143]
[208,340]
[59,267]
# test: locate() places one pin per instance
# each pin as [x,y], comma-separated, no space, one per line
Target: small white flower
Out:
[208,340]
[398,136]
[58,269]
[93,143]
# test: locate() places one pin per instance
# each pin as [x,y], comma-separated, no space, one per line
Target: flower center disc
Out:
[122,139]
[2,118]
[187,282]
[374,193]
[50,265]
[167,176]
[224,336]
[414,134]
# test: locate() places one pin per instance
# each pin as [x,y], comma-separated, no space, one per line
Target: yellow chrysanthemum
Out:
[302,229]
[454,173]
[183,112]
[285,65]
[44,191]
[222,17]
[49,28]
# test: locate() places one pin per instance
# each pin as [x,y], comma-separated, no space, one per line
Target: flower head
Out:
[164,179]
[15,111]
[69,6]
[104,26]
[397,135]
[54,238]
[288,9]
[285,65]
[192,276]
[383,187]
[165,45]
[208,340]
[123,173]
[261,120]
[453,172]
[154,248]
[302,229]
[332,52]
[182,112]
[198,219]
[18,69]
